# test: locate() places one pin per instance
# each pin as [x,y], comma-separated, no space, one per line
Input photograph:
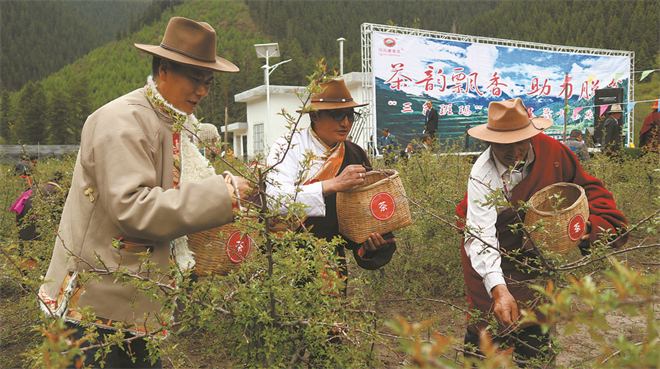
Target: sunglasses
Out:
[339,116]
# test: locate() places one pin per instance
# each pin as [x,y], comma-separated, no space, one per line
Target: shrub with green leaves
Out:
[284,306]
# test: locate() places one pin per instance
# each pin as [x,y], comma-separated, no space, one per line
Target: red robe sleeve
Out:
[557,163]
[603,213]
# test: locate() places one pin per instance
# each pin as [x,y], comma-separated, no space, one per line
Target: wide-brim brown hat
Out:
[191,43]
[335,95]
[509,122]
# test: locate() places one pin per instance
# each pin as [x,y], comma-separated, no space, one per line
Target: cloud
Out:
[481,58]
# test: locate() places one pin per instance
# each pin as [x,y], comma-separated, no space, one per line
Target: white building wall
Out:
[281,97]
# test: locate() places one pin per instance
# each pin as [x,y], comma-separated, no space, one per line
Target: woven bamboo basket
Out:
[378,206]
[564,209]
[221,250]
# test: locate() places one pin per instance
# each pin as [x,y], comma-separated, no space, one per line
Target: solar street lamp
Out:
[267,51]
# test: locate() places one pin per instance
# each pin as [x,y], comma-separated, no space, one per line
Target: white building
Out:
[255,136]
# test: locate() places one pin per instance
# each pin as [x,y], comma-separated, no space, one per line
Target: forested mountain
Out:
[110,17]
[40,37]
[315,25]
[64,99]
[615,25]
[306,31]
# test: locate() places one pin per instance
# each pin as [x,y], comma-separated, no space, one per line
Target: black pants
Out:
[532,335]
[117,358]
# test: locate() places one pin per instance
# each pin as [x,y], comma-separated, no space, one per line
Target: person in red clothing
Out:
[649,135]
[520,161]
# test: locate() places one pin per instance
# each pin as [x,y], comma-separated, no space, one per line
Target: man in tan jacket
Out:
[127,196]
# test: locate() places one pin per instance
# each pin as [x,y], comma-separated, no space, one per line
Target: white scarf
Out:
[194,166]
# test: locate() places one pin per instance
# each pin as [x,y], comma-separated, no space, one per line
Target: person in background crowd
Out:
[649,135]
[612,128]
[23,169]
[228,155]
[26,221]
[576,145]
[407,153]
[388,146]
[128,194]
[588,137]
[424,143]
[520,161]
[431,122]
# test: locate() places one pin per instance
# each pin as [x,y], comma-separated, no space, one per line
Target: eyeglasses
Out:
[339,116]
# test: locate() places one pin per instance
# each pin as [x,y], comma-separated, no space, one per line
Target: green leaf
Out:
[597,337]
[569,329]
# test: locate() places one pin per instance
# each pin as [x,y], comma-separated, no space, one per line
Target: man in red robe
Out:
[649,135]
[520,161]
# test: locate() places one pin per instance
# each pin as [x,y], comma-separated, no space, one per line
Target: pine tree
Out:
[296,70]
[59,116]
[80,106]
[32,114]
[5,122]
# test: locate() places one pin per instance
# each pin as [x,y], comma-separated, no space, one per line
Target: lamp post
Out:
[341,55]
[267,51]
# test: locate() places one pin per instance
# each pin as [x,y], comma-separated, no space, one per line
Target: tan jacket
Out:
[122,187]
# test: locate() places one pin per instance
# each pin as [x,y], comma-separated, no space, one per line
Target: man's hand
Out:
[505,308]
[243,188]
[587,233]
[584,244]
[376,242]
[353,175]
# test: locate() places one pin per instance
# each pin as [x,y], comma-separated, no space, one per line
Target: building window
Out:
[258,138]
[244,146]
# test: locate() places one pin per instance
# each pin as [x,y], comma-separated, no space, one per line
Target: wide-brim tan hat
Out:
[509,122]
[616,109]
[335,95]
[191,43]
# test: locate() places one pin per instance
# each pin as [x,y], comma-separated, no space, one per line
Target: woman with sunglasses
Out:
[318,163]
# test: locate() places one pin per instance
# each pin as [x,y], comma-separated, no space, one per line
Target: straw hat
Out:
[191,43]
[616,109]
[509,122]
[335,95]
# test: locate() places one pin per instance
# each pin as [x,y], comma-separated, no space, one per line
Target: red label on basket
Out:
[238,247]
[382,206]
[576,227]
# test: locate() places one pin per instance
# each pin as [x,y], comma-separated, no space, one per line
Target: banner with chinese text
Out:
[461,78]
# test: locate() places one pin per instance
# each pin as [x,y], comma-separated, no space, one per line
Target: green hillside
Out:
[40,37]
[118,67]
[306,31]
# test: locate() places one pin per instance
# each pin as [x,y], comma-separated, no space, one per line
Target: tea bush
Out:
[279,311]
[435,183]
[22,264]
